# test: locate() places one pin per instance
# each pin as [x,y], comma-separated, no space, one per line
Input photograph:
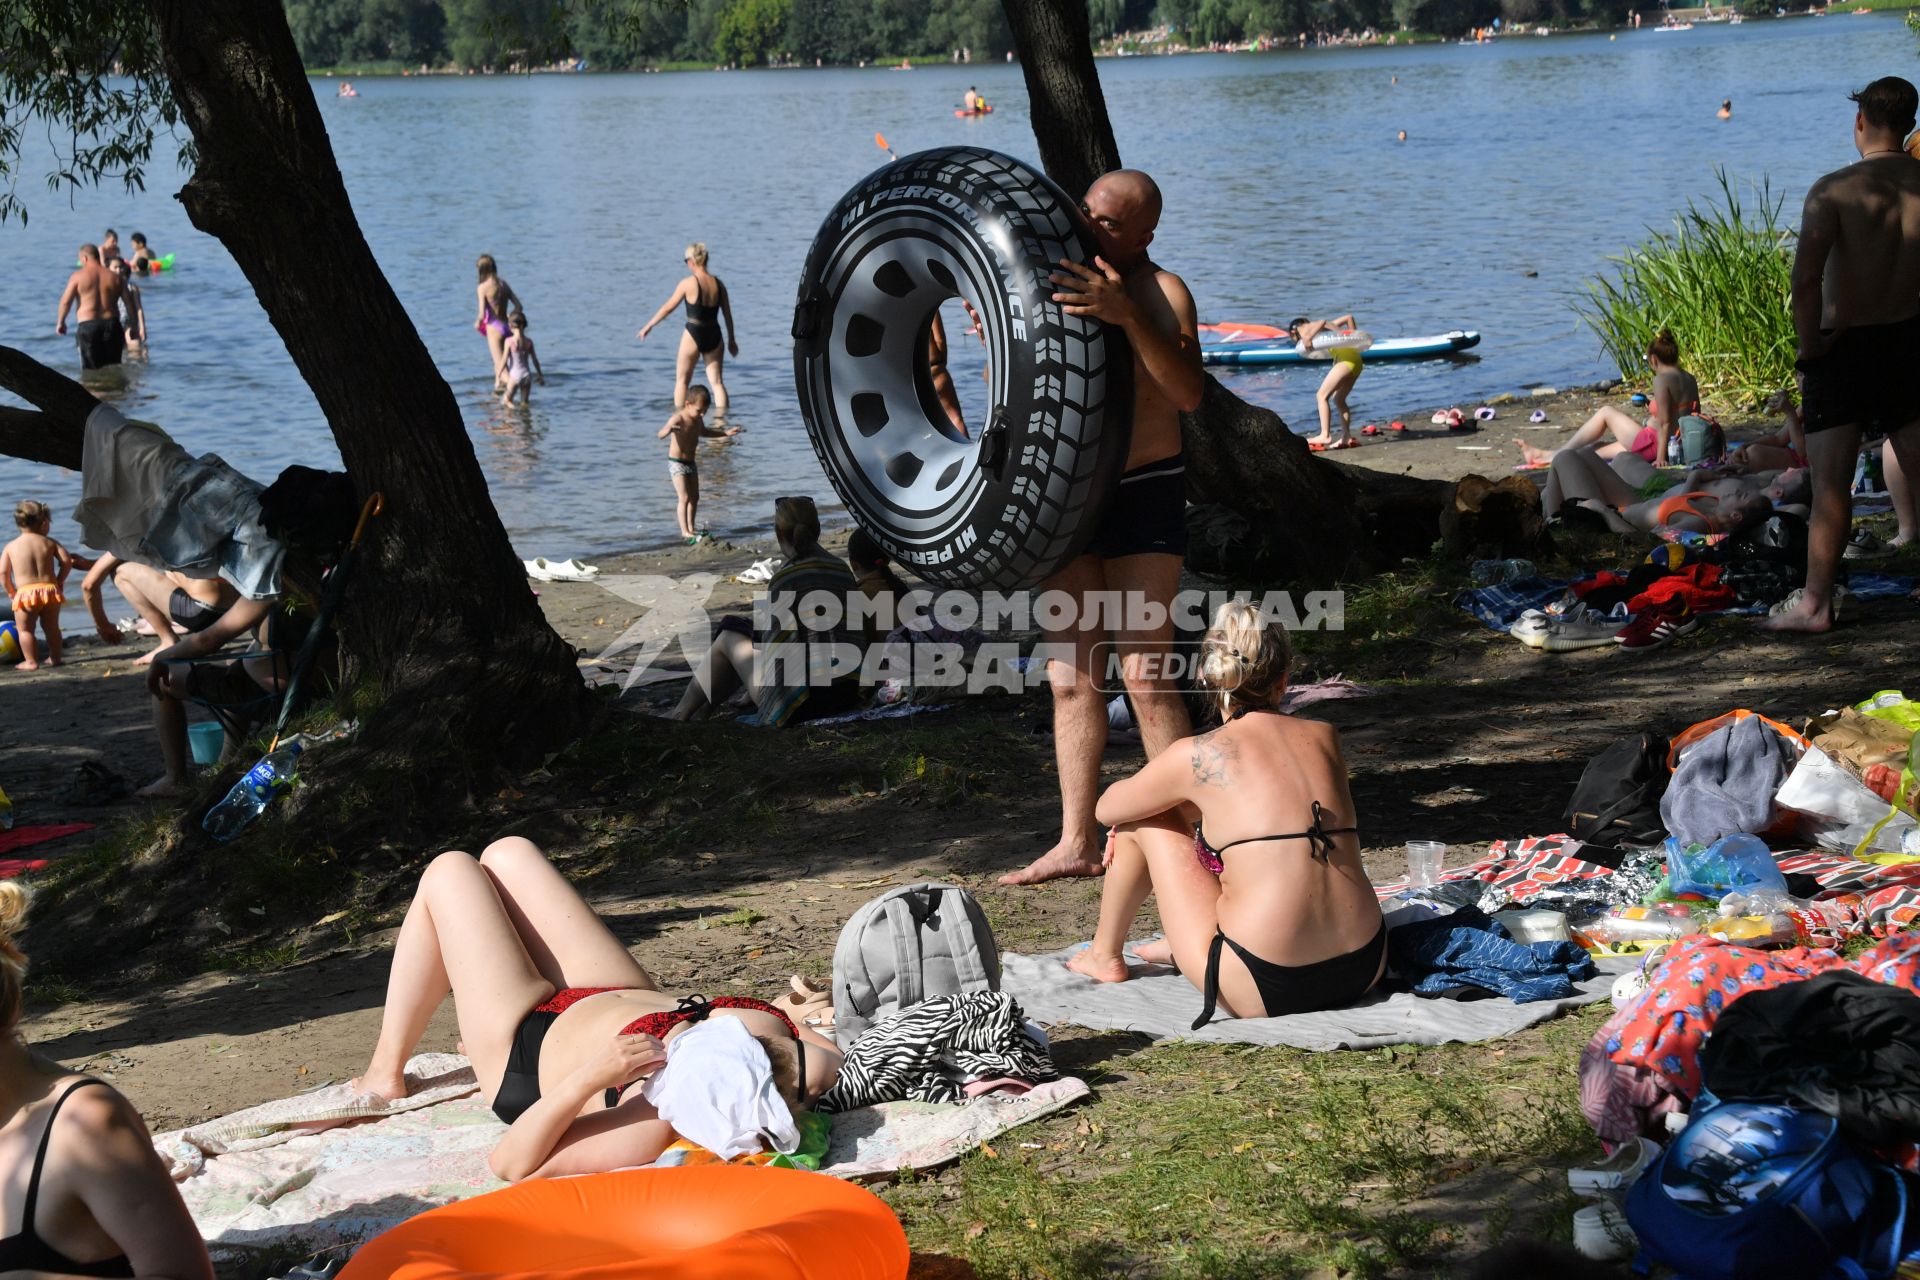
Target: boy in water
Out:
[33,569]
[132,308]
[682,433]
[522,363]
[145,260]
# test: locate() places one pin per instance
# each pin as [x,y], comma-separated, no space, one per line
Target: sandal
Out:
[1317,447]
[1370,430]
[1396,426]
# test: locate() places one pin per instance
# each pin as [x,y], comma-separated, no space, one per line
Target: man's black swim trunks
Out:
[1870,378]
[101,342]
[1147,514]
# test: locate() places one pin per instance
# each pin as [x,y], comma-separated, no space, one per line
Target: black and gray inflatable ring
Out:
[1013,504]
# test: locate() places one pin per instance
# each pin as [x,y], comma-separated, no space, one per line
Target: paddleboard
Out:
[962,111]
[1441,344]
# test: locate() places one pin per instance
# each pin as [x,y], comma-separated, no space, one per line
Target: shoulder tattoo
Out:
[1211,757]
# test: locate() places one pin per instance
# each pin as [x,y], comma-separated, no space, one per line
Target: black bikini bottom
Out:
[1305,988]
[520,1082]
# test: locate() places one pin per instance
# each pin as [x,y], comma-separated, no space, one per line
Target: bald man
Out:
[1142,542]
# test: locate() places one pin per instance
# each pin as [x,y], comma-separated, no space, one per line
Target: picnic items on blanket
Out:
[1617,800]
[1731,862]
[721,1222]
[1838,811]
[1757,1189]
[1529,925]
[1840,1044]
[1465,955]
[931,1051]
[907,945]
[1725,773]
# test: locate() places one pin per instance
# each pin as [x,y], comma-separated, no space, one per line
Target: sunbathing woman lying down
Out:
[1246,835]
[563,1026]
[1616,490]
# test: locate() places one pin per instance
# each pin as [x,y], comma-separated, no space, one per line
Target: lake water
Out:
[1529,161]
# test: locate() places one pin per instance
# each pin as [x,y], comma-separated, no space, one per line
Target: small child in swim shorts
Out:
[522,363]
[683,434]
[33,570]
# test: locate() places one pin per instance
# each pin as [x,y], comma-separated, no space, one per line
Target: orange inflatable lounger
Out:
[721,1222]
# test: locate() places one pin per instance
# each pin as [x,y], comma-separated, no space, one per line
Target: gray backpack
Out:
[908,945]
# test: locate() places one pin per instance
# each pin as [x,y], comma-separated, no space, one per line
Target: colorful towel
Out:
[324,1172]
[26,837]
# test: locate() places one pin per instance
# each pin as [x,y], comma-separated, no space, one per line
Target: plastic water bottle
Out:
[253,793]
[1487,573]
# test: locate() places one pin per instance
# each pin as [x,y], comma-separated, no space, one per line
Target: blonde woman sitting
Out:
[1247,836]
[85,1194]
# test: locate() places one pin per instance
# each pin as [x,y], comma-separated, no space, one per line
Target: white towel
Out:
[717,1091]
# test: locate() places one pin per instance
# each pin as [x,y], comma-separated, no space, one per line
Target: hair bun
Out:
[13,909]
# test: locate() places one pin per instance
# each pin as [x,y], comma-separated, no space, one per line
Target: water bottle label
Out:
[261,781]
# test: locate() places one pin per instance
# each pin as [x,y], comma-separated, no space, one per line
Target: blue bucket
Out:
[206,738]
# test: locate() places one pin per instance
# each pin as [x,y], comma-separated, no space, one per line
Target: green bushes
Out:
[1719,280]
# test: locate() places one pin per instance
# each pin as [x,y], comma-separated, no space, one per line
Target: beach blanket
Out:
[26,838]
[1159,1002]
[322,1172]
[1501,605]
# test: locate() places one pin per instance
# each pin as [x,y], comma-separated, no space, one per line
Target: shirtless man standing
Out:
[1141,543]
[96,293]
[1856,308]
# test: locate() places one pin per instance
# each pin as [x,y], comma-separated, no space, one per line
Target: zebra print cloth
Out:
[924,1054]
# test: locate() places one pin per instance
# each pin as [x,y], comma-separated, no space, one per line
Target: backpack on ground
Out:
[1760,1189]
[1617,800]
[907,945]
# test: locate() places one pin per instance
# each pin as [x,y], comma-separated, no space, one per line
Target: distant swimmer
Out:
[705,296]
[109,247]
[1403,135]
[972,101]
[1338,383]
[497,302]
[93,293]
[135,313]
[1726,109]
[347,90]
[145,260]
[523,363]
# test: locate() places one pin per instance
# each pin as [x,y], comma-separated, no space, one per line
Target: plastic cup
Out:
[205,740]
[1426,859]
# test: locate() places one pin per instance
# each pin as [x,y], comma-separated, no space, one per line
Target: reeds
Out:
[1719,280]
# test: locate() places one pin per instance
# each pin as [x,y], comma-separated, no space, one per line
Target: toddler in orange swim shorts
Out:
[33,569]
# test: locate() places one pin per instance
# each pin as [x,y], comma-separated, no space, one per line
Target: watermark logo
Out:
[676,614]
[943,639]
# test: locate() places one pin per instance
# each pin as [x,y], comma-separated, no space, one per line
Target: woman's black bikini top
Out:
[1319,836]
[25,1249]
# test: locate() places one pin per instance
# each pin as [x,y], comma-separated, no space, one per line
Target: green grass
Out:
[1242,1161]
[1719,280]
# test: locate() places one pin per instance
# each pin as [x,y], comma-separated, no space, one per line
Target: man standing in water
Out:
[1856,308]
[95,294]
[1137,553]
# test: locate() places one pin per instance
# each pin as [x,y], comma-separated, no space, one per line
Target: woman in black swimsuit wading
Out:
[1247,837]
[96,1201]
[706,297]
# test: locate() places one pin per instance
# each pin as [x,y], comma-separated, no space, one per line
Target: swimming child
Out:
[497,300]
[523,363]
[145,260]
[1338,383]
[683,432]
[33,569]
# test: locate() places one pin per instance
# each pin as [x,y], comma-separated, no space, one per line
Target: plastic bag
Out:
[1732,862]
[1838,811]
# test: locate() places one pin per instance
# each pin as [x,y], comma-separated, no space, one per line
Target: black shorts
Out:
[101,343]
[1869,379]
[1147,514]
[190,613]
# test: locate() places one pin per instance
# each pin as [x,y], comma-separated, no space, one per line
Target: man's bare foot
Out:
[1155,951]
[1532,456]
[1060,862]
[147,657]
[162,789]
[27,666]
[1099,968]
[1808,617]
[385,1088]
[56,662]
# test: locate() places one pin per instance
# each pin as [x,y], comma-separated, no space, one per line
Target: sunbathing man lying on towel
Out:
[1618,491]
[1266,905]
[563,1026]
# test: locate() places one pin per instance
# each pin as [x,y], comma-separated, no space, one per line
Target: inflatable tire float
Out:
[720,1222]
[1014,503]
[1325,343]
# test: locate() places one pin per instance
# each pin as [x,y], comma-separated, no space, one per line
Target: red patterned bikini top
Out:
[692,1009]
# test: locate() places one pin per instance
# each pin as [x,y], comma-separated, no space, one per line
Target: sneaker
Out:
[1656,627]
[1616,1171]
[1600,1232]
[1531,628]
[1864,546]
[1580,628]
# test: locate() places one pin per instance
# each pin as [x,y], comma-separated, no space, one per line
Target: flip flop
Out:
[1370,430]
[1348,443]
[1396,426]
[1484,413]
[1317,447]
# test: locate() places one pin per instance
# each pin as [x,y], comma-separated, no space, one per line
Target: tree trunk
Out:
[439,618]
[1265,505]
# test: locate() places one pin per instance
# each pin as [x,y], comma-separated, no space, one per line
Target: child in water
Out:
[33,569]
[682,433]
[522,363]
